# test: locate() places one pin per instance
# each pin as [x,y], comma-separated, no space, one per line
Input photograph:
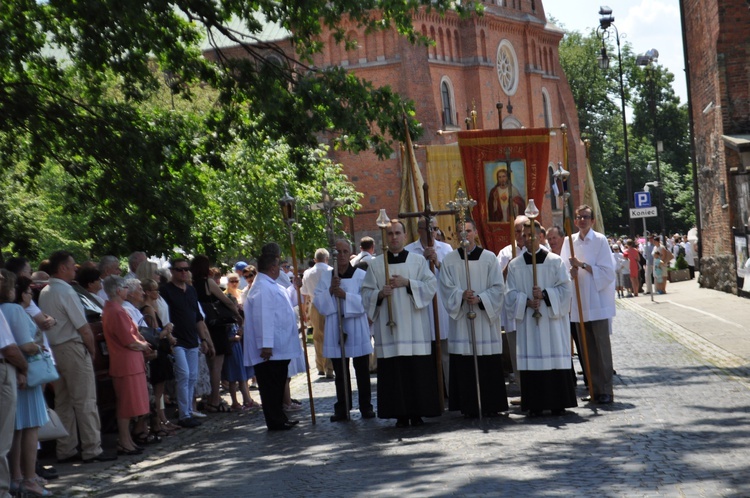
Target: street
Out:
[678,427]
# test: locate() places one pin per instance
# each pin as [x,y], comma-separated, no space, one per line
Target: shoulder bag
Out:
[41,369]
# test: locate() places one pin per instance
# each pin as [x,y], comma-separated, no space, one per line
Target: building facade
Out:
[717,47]
[508,56]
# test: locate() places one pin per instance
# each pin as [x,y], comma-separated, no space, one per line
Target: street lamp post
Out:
[606,21]
[647,60]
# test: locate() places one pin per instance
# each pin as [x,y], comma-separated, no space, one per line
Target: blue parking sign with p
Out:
[642,199]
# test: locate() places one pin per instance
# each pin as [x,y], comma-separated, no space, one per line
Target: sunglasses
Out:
[234,281]
[249,275]
[181,269]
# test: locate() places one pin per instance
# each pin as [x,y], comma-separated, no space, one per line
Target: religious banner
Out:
[589,193]
[412,196]
[503,169]
[445,175]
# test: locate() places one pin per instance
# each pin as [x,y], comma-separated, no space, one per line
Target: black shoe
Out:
[282,427]
[604,399]
[339,417]
[368,413]
[416,421]
[47,472]
[101,457]
[70,459]
[559,412]
[189,423]
[402,422]
[292,423]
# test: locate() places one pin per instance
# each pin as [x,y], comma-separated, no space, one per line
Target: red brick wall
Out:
[718,49]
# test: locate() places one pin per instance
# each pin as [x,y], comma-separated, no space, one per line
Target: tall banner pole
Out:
[288,212]
[563,175]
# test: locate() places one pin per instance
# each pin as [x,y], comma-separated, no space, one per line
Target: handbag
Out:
[151,335]
[218,314]
[41,369]
[53,429]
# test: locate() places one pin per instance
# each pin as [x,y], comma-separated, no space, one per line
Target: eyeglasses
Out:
[249,275]
[234,281]
[583,217]
[181,269]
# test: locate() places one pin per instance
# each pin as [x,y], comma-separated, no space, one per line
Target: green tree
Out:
[79,81]
[598,101]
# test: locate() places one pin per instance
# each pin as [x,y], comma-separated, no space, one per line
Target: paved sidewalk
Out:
[713,323]
[678,428]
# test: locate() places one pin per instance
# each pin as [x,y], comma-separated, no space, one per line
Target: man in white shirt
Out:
[595,270]
[309,282]
[271,339]
[367,250]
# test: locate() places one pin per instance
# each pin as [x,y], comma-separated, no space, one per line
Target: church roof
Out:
[270,32]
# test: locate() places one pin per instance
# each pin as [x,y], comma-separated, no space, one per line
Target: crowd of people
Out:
[426,318]
[646,261]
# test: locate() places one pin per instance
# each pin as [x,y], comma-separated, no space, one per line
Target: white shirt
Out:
[362,256]
[598,286]
[6,337]
[311,277]
[270,322]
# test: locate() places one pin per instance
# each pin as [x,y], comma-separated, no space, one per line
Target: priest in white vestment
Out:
[485,297]
[346,289]
[543,344]
[407,374]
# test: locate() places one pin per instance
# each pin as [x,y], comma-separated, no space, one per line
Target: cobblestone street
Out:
[678,427]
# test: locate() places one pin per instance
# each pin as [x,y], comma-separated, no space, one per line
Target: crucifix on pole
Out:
[327,206]
[428,214]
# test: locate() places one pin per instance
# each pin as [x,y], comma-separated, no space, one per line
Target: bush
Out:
[680,263]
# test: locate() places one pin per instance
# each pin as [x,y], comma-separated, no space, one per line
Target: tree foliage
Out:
[648,93]
[142,133]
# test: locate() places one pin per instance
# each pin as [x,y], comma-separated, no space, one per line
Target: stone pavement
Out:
[680,426]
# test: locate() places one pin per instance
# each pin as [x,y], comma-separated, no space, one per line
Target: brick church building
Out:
[717,47]
[508,56]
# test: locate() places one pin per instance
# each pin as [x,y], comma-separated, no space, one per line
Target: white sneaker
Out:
[294,407]
[198,414]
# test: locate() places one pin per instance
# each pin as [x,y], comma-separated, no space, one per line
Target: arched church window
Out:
[547,108]
[449,102]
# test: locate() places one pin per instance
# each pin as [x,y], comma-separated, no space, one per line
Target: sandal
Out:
[161,433]
[252,405]
[146,438]
[169,426]
[222,407]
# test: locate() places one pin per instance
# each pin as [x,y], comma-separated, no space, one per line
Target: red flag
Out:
[503,169]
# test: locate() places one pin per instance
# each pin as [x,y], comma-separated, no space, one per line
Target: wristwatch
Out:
[584,265]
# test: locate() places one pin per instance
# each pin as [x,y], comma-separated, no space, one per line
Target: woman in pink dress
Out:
[127,365]
[631,254]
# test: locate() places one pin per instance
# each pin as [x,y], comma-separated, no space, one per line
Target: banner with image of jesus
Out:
[503,169]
